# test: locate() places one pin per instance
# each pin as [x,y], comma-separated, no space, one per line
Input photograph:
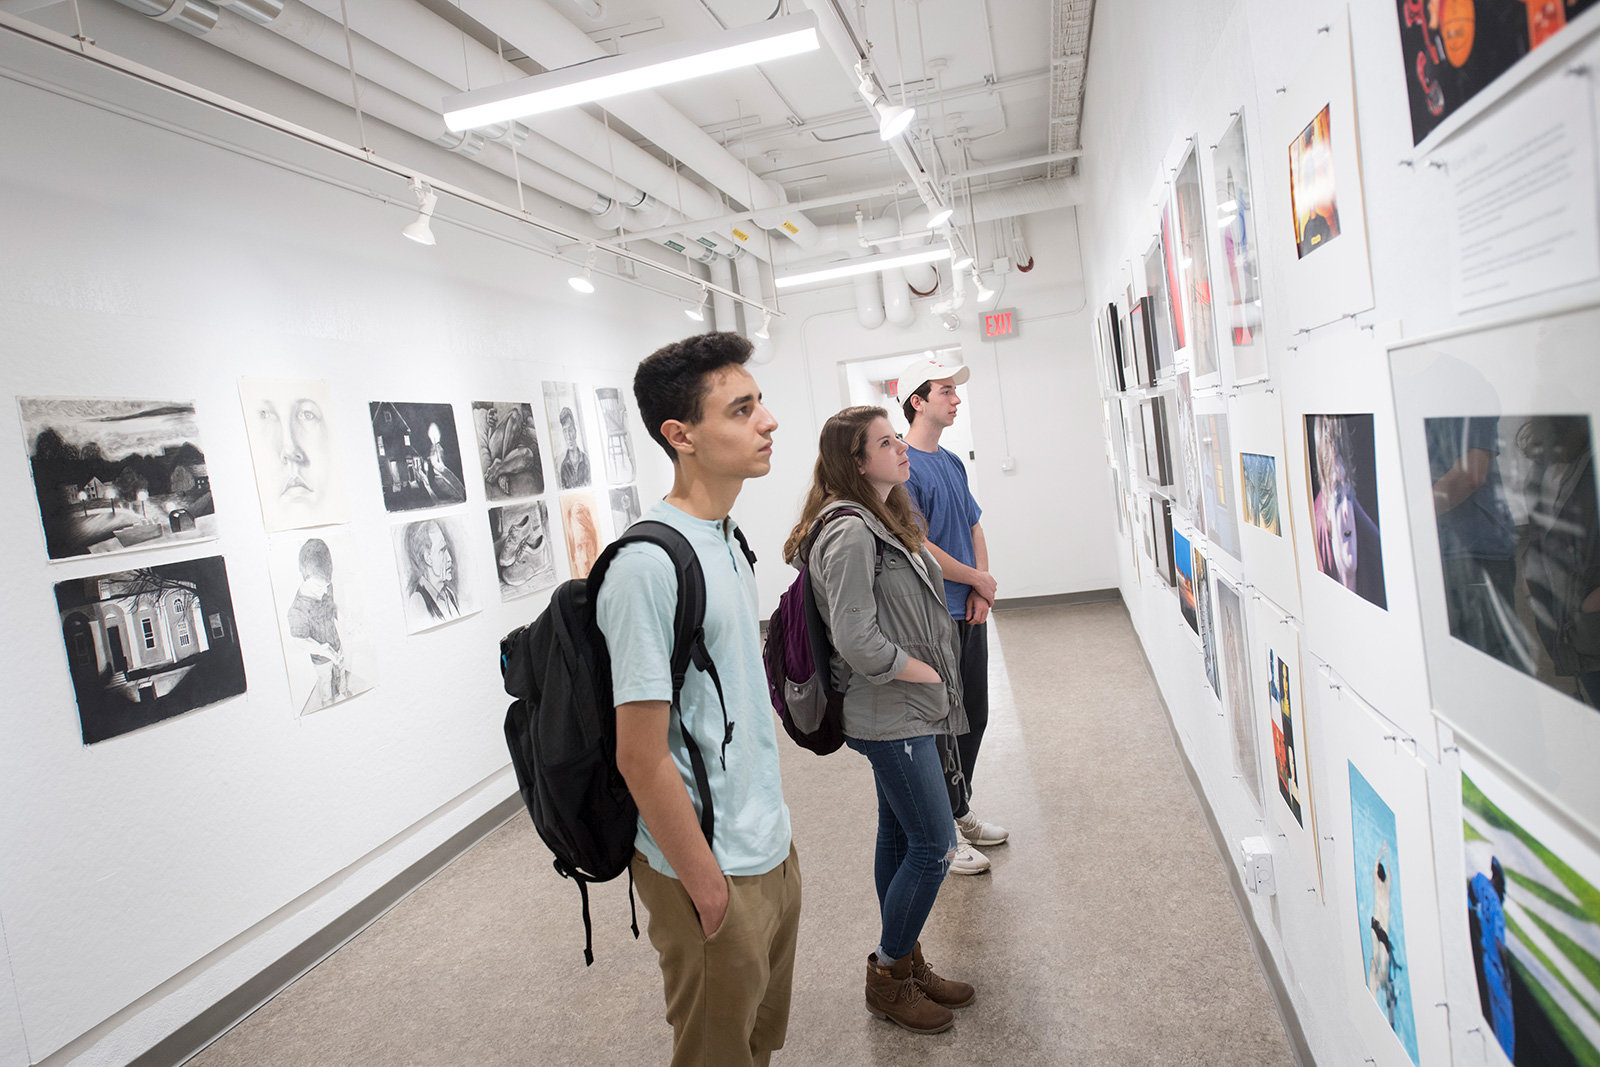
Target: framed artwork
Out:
[1155,280]
[508,450]
[1316,180]
[1343,479]
[434,561]
[1241,308]
[1201,576]
[1256,425]
[1183,561]
[319,587]
[1164,538]
[1238,693]
[149,644]
[568,440]
[1282,726]
[116,475]
[1142,513]
[1139,333]
[1195,262]
[613,405]
[582,524]
[1258,492]
[524,548]
[1114,351]
[1158,541]
[1217,486]
[1174,285]
[1188,472]
[419,455]
[1497,432]
[295,451]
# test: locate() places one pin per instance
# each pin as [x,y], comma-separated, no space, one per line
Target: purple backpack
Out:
[799,659]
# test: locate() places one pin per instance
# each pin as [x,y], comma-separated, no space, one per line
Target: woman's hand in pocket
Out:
[918,671]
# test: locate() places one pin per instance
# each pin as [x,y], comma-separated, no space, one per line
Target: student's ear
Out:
[678,436]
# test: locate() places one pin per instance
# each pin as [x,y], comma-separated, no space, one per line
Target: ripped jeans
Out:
[916,836]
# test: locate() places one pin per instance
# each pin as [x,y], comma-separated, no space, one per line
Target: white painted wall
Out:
[1163,70]
[144,877]
[1033,397]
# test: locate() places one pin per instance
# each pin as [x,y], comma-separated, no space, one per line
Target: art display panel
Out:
[524,548]
[1342,472]
[508,450]
[419,455]
[569,443]
[1241,309]
[582,524]
[1533,923]
[1155,280]
[1281,724]
[1380,908]
[319,586]
[116,475]
[434,560]
[1183,560]
[1238,693]
[149,644]
[1208,626]
[613,405]
[1139,332]
[1188,472]
[295,450]
[1216,475]
[1256,426]
[1258,492]
[1196,268]
[1320,227]
[1506,569]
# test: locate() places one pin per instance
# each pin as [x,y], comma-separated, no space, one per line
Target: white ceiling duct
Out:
[1026,198]
[722,274]
[548,38]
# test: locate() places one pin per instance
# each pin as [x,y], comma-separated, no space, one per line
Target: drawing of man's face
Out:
[438,567]
[569,429]
[292,450]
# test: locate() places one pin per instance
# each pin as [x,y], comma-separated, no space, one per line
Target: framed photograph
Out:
[508,450]
[319,586]
[1343,477]
[1195,262]
[1155,280]
[1164,539]
[1282,726]
[1497,430]
[419,455]
[1270,560]
[1217,485]
[434,561]
[1258,492]
[1240,304]
[116,475]
[1238,693]
[1113,322]
[146,645]
[1316,179]
[295,451]
[1139,333]
[1173,280]
[1201,576]
[1183,561]
[569,443]
[1157,445]
[1188,472]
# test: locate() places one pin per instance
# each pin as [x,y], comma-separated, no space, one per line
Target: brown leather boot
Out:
[939,990]
[893,995]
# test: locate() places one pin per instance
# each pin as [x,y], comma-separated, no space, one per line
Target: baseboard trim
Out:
[1083,596]
[1292,1029]
[190,1039]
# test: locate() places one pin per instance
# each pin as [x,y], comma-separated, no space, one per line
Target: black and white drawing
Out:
[524,555]
[146,645]
[624,508]
[295,452]
[113,475]
[618,438]
[508,450]
[569,444]
[328,648]
[432,556]
[419,455]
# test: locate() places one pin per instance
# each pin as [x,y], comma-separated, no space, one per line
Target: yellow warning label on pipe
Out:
[740,234]
[791,227]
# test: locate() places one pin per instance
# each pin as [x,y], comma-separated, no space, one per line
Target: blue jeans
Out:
[916,836]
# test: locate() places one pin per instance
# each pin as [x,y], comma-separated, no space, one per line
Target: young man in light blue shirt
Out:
[723,916]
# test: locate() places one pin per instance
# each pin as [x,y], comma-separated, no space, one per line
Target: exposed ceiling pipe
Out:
[429,43]
[722,274]
[748,271]
[550,39]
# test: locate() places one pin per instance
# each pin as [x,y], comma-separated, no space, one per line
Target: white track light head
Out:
[893,119]
[765,332]
[420,231]
[697,312]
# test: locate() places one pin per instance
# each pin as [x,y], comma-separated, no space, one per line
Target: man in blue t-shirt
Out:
[939,488]
[723,915]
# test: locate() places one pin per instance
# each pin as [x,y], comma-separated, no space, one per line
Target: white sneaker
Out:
[968,860]
[974,831]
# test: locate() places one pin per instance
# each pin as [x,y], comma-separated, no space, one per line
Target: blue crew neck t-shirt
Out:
[938,487]
[638,600]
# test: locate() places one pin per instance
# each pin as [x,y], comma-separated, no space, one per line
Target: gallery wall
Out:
[1376,767]
[145,876]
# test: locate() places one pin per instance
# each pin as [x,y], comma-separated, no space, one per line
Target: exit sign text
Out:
[998,324]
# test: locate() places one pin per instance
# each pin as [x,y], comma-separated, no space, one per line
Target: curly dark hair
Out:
[673,382]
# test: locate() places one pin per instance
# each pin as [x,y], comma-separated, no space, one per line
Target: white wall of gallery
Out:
[1383,701]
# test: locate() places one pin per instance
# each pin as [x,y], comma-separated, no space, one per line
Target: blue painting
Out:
[1380,919]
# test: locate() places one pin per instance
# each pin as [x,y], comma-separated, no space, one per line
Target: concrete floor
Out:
[1106,933]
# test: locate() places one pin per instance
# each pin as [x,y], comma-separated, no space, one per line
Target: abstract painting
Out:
[114,475]
[1258,492]
[1380,911]
[419,455]
[434,562]
[569,446]
[524,555]
[328,647]
[508,450]
[295,450]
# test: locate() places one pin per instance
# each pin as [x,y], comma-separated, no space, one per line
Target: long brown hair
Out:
[840,450]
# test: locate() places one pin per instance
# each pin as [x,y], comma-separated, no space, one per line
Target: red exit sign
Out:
[998,324]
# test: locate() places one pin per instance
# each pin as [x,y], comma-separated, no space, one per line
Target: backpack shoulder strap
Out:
[744,546]
[688,641]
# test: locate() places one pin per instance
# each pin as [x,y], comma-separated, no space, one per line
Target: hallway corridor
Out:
[1105,935]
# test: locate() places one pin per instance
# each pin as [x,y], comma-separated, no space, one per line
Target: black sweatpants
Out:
[960,754]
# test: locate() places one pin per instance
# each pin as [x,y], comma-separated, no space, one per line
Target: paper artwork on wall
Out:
[618,436]
[1208,626]
[582,524]
[1316,186]
[1380,908]
[1159,542]
[1188,473]
[1256,420]
[1196,267]
[1157,451]
[569,444]
[1139,332]
[295,450]
[1533,923]
[1174,285]
[1216,475]
[1234,653]
[1258,493]
[419,455]
[1183,559]
[1343,477]
[508,450]
[625,505]
[1454,50]
[1146,530]
[146,645]
[116,475]
[1155,280]
[1281,721]
[1497,434]
[319,588]
[1241,305]
[434,560]
[524,548]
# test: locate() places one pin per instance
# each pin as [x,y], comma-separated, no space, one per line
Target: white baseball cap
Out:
[928,370]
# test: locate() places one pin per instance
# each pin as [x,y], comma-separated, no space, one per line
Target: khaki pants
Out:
[727,995]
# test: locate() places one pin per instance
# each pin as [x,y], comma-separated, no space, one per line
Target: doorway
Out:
[874,380]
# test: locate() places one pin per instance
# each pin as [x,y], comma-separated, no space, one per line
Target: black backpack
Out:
[561,726]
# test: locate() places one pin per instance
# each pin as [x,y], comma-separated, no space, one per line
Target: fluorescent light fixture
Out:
[893,119]
[865,265]
[420,231]
[610,76]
